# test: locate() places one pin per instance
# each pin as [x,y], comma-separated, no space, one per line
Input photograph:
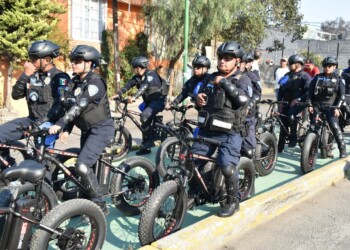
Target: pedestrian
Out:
[346,76]
[223,100]
[329,88]
[40,83]
[280,72]
[256,61]
[201,65]
[91,114]
[153,90]
[310,68]
[294,86]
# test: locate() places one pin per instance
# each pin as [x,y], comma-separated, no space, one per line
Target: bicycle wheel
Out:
[62,185]
[309,153]
[265,164]
[158,218]
[246,172]
[133,189]
[121,144]
[167,153]
[81,222]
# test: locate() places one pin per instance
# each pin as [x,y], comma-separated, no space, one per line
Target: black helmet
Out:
[87,53]
[139,61]
[296,59]
[201,61]
[249,57]
[230,49]
[330,60]
[43,48]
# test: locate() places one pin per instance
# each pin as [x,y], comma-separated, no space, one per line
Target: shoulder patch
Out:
[149,78]
[342,80]
[93,90]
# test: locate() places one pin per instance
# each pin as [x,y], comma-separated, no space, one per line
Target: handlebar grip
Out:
[209,140]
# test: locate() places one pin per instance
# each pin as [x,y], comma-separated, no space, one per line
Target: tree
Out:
[277,45]
[338,26]
[21,23]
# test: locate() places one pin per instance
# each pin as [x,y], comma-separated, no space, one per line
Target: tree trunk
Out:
[8,88]
[172,63]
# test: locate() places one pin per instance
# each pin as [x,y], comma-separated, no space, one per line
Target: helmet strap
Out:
[42,67]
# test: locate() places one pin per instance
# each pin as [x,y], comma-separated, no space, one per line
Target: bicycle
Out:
[165,210]
[273,117]
[168,152]
[129,186]
[122,143]
[319,136]
[62,226]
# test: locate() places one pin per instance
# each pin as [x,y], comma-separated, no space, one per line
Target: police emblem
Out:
[47,80]
[149,78]
[333,80]
[92,89]
[77,91]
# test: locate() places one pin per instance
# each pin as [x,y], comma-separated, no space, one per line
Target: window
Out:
[88,19]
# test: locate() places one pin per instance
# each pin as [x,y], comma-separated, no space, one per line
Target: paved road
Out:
[322,222]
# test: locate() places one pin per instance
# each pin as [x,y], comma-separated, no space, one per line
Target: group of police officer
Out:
[326,90]
[226,103]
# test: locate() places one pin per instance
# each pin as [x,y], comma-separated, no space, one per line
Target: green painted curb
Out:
[214,232]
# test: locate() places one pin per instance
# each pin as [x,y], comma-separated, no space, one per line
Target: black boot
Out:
[338,136]
[231,205]
[342,152]
[89,181]
[293,133]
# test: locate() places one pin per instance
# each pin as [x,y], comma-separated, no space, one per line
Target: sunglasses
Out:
[226,58]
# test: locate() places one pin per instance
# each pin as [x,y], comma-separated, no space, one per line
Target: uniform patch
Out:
[149,78]
[250,91]
[333,80]
[343,81]
[47,80]
[77,91]
[63,82]
[93,90]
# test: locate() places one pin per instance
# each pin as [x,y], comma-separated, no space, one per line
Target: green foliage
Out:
[22,22]
[316,58]
[107,67]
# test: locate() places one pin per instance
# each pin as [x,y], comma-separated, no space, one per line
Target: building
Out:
[83,23]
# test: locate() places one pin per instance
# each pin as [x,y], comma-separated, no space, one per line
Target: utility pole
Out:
[116,46]
[186,28]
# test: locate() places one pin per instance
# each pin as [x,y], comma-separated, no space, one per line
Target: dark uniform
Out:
[41,90]
[346,76]
[249,142]
[91,114]
[294,85]
[329,90]
[222,119]
[150,87]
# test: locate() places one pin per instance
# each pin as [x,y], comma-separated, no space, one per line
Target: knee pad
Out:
[228,170]
[144,118]
[82,169]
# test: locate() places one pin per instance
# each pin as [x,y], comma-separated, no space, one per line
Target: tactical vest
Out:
[326,89]
[154,92]
[222,114]
[93,113]
[294,86]
[41,95]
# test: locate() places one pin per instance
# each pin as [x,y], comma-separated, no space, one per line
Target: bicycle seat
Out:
[27,170]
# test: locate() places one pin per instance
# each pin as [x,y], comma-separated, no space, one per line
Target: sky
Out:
[317,11]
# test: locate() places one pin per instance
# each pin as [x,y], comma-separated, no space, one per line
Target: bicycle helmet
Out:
[249,57]
[330,60]
[140,61]
[233,49]
[201,61]
[296,59]
[43,48]
[87,53]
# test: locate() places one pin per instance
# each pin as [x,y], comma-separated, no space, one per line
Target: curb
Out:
[214,232]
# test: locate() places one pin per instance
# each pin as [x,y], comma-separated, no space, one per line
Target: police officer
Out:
[154,91]
[201,65]
[91,114]
[293,89]
[346,76]
[329,88]
[223,99]
[40,84]
[249,142]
